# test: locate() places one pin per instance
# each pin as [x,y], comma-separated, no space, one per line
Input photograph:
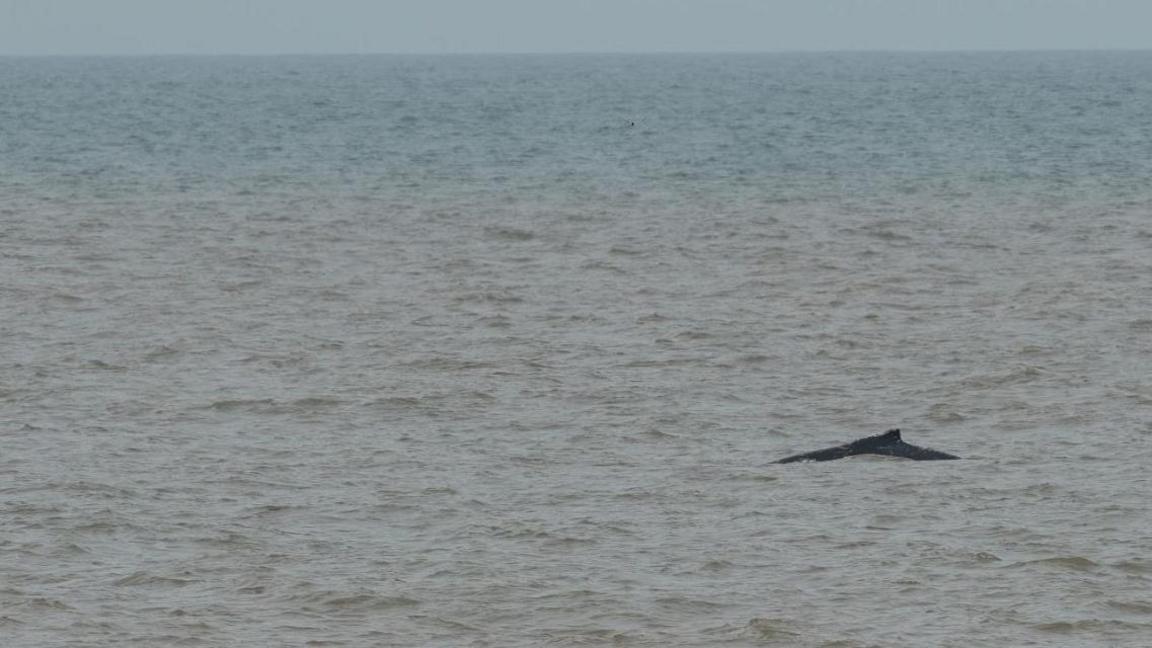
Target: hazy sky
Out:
[356,26]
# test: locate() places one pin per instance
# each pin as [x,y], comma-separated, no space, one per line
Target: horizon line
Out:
[578,52]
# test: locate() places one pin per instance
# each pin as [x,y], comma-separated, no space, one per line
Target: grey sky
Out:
[360,26]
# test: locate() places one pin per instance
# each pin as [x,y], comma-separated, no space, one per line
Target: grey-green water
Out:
[498,351]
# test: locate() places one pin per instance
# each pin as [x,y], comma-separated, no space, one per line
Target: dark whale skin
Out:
[888,444]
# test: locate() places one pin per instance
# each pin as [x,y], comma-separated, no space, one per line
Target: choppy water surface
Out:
[498,351]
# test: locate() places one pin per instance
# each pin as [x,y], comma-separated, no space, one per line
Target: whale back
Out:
[888,444]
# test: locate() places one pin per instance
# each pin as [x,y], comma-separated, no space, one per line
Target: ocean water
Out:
[499,350]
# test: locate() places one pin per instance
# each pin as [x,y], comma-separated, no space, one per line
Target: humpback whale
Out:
[888,444]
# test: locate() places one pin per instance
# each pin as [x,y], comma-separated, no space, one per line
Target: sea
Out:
[499,351]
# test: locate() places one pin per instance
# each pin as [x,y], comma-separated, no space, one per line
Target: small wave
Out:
[1091,626]
[771,629]
[593,637]
[754,359]
[370,602]
[1041,489]
[882,234]
[106,366]
[141,578]
[240,286]
[102,527]
[69,550]
[272,509]
[44,603]
[755,477]
[509,233]
[91,488]
[602,265]
[242,405]
[1071,563]
[1137,607]
[312,403]
[694,335]
[758,631]
[399,403]
[670,362]
[450,624]
[227,540]
[162,352]
[1137,566]
[448,364]
[635,494]
[944,413]
[331,294]
[656,433]
[277,360]
[490,297]
[495,321]
[618,250]
[308,404]
[354,602]
[1013,377]
[687,604]
[716,565]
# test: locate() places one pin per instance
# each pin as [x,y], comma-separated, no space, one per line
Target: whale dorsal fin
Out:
[888,444]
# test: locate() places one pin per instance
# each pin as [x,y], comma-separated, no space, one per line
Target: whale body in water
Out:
[888,444]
